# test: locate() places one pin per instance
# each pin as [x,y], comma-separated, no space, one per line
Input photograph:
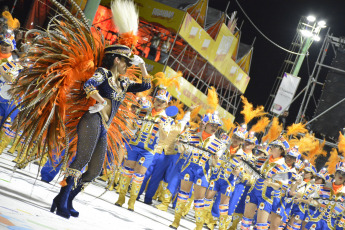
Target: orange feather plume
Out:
[228,124]
[178,104]
[261,125]
[160,79]
[316,152]
[128,39]
[274,131]
[341,144]
[249,112]
[332,161]
[195,112]
[12,23]
[212,99]
[295,129]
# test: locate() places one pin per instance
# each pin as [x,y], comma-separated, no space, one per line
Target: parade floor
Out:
[25,203]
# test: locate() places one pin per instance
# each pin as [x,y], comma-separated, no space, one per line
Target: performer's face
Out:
[318,180]
[276,150]
[289,160]
[248,146]
[159,104]
[339,177]
[236,141]
[121,65]
[5,49]
[307,175]
[211,128]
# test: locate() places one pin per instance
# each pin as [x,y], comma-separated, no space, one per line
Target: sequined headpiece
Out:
[263,148]
[164,95]
[294,152]
[241,131]
[281,142]
[340,166]
[121,50]
[310,168]
[9,42]
[212,118]
[144,103]
[252,138]
[323,173]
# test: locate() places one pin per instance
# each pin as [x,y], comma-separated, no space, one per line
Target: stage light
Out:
[316,38]
[322,24]
[311,18]
[306,33]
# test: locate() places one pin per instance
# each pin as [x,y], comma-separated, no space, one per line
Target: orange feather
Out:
[295,129]
[249,112]
[261,125]
[332,161]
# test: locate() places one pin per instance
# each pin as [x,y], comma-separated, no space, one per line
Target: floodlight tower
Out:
[309,30]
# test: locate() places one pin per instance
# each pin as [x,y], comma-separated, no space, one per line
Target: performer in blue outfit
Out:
[201,147]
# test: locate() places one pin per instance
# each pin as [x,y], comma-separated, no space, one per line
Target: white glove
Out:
[136,60]
[96,108]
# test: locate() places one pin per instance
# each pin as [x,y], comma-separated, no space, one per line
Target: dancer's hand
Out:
[96,108]
[136,60]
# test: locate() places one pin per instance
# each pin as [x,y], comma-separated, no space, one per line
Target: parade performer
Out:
[202,148]
[261,194]
[54,110]
[142,146]
[224,177]
[9,70]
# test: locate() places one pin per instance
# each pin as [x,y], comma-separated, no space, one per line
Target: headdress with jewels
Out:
[340,166]
[8,41]
[241,132]
[294,152]
[310,168]
[144,103]
[263,148]
[252,138]
[281,142]
[323,173]
[211,118]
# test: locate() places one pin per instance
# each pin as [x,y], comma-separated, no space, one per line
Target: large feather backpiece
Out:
[50,88]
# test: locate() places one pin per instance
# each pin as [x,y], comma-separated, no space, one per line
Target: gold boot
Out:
[188,205]
[180,206]
[224,221]
[123,187]
[209,220]
[166,199]
[158,194]
[235,220]
[199,218]
[136,185]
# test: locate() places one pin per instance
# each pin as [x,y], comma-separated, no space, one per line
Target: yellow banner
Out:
[189,94]
[158,13]
[153,67]
[218,52]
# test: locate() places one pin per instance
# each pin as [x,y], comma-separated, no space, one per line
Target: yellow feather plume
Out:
[12,23]
[249,112]
[316,152]
[274,132]
[341,144]
[295,129]
[212,99]
[160,79]
[228,124]
[180,115]
[332,161]
[307,143]
[195,112]
[294,141]
[261,125]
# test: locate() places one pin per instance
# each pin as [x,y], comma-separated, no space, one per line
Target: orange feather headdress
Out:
[274,131]
[212,99]
[249,112]
[162,81]
[295,129]
[332,161]
[261,125]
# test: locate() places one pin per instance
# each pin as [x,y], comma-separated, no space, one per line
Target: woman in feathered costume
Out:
[55,111]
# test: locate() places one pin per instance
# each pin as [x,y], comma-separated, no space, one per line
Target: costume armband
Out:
[90,90]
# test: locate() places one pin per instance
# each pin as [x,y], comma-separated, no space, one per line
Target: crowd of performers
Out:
[79,105]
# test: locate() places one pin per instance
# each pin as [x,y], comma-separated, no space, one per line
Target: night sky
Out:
[278,20]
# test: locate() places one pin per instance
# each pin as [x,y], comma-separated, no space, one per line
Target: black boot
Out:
[72,195]
[60,201]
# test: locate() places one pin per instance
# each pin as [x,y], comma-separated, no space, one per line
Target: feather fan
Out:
[261,125]
[249,112]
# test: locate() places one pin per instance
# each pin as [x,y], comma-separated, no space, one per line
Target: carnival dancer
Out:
[283,202]
[64,59]
[9,70]
[141,147]
[195,170]
[261,194]
[224,177]
[329,202]
[302,189]
[237,200]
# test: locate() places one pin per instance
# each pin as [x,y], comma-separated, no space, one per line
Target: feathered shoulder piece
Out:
[295,129]
[126,19]
[212,99]
[249,112]
[159,79]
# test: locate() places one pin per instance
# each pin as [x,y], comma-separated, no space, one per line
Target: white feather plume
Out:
[125,16]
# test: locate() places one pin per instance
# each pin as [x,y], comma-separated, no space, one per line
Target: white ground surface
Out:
[25,204]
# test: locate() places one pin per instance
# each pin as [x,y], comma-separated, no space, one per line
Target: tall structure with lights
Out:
[307,32]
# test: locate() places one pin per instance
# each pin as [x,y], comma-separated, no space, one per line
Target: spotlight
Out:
[306,33]
[316,38]
[322,24]
[311,18]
